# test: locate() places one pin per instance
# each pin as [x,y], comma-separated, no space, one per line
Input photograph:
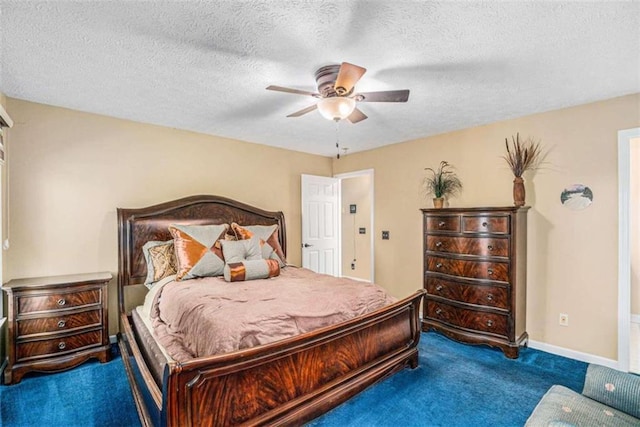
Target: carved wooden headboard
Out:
[140,225]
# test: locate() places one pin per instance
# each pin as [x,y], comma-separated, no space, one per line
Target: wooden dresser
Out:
[475,272]
[56,323]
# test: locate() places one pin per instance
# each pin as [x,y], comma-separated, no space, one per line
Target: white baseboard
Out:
[635,318]
[572,354]
[113,339]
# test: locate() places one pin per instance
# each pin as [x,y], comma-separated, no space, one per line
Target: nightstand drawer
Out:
[60,323]
[57,301]
[56,346]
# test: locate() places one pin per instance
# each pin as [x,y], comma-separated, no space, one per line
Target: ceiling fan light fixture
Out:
[336,107]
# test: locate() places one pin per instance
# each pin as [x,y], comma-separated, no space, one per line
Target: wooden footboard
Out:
[283,383]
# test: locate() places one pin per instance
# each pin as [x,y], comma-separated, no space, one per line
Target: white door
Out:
[320,224]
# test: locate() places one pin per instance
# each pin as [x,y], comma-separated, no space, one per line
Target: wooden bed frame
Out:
[287,382]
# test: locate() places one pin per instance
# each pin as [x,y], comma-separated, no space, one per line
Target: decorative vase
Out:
[518,191]
[438,202]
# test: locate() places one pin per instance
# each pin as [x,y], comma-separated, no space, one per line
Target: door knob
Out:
[306,245]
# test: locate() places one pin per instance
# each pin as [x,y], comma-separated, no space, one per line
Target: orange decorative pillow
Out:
[198,253]
[268,235]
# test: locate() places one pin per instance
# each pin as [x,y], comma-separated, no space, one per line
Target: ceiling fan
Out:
[337,100]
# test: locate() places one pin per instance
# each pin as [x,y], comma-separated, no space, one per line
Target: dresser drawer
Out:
[443,223]
[56,346]
[489,296]
[56,301]
[485,224]
[59,323]
[473,269]
[468,319]
[481,246]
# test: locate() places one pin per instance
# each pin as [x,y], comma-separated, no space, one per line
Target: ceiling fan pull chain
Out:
[337,140]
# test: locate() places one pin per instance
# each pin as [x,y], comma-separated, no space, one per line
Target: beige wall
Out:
[70,170]
[355,191]
[634,203]
[573,255]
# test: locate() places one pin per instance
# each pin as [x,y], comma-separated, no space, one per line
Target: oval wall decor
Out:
[576,197]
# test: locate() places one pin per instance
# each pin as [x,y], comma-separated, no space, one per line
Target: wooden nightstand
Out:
[56,323]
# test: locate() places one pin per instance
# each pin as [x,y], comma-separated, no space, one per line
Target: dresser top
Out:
[58,280]
[475,209]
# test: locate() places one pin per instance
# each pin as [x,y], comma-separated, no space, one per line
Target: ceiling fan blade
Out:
[303,111]
[384,96]
[356,116]
[295,91]
[348,76]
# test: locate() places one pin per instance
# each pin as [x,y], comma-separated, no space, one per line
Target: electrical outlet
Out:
[385,235]
[564,319]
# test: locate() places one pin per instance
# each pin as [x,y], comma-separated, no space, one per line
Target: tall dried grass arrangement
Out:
[523,155]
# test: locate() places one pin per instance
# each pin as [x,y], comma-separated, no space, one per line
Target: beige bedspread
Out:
[208,316]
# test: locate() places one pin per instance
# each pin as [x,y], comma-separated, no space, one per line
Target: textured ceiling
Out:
[204,65]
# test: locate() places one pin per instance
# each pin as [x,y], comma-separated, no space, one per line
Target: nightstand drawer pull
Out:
[438,244]
[490,298]
[439,265]
[62,324]
[62,302]
[490,271]
[490,323]
[62,345]
[438,311]
[438,288]
[441,224]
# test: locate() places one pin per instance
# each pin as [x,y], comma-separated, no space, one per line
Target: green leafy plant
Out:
[522,155]
[442,181]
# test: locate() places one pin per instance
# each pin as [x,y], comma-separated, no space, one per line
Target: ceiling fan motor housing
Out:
[326,79]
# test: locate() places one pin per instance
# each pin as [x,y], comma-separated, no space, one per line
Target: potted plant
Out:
[442,182]
[521,157]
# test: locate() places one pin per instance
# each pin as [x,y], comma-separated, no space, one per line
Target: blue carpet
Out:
[455,385]
[459,385]
[92,394]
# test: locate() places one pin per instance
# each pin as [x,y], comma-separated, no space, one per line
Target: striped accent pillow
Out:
[251,270]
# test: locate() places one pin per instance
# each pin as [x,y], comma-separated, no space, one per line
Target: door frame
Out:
[624,246]
[355,174]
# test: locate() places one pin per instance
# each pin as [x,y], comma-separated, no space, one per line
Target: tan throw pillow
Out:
[268,235]
[251,270]
[198,252]
[161,261]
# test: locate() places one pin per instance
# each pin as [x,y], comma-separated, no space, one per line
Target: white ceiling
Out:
[204,65]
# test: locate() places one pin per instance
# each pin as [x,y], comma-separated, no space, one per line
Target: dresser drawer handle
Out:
[490,297]
[62,345]
[438,244]
[484,224]
[438,288]
[490,323]
[62,324]
[62,302]
[441,224]
[490,271]
[439,265]
[490,247]
[438,311]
